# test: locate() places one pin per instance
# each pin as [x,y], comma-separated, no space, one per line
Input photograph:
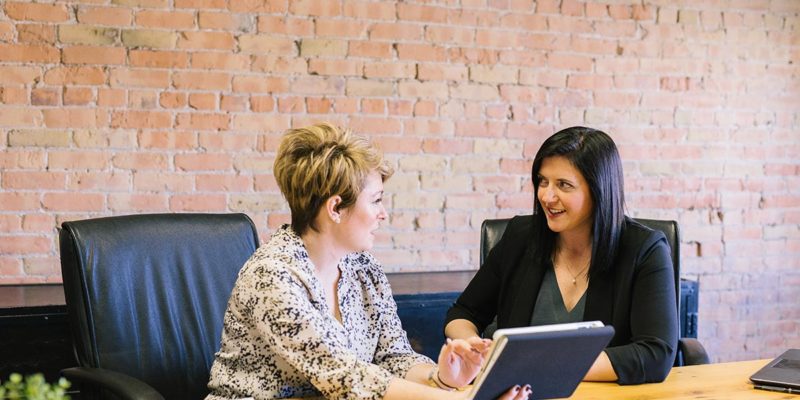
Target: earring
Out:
[337,220]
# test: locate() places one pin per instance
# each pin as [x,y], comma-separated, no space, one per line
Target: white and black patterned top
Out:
[281,339]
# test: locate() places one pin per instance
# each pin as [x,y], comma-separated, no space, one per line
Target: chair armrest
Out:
[124,386]
[693,352]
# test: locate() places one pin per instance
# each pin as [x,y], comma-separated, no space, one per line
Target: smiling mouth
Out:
[554,212]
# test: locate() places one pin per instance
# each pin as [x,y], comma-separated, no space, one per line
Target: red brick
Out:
[22,159]
[397,144]
[38,223]
[206,40]
[77,160]
[373,106]
[73,201]
[75,76]
[444,72]
[24,245]
[449,34]
[113,16]
[201,80]
[369,49]
[340,28]
[37,12]
[141,119]
[172,99]
[279,65]
[228,141]
[197,202]
[260,123]
[318,8]
[28,53]
[258,84]
[142,99]
[285,25]
[335,67]
[424,108]
[45,97]
[167,140]
[390,70]
[203,101]
[401,107]
[159,59]
[202,121]
[100,181]
[36,34]
[428,127]
[201,4]
[77,96]
[19,201]
[132,77]
[370,10]
[110,97]
[93,55]
[221,61]
[318,105]
[223,21]
[139,161]
[258,6]
[223,183]
[233,103]
[139,202]
[75,118]
[159,181]
[267,103]
[165,19]
[6,33]
[287,104]
[34,180]
[18,116]
[415,12]
[396,32]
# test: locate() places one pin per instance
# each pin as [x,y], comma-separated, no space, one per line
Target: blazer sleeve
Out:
[653,320]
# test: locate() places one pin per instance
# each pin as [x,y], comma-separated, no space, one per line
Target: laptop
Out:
[781,374]
[553,359]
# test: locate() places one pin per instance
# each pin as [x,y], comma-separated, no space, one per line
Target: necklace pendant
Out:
[574,281]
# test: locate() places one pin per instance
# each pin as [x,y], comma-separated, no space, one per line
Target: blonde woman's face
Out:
[362,219]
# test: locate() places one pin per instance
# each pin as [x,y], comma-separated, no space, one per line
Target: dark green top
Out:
[550,308]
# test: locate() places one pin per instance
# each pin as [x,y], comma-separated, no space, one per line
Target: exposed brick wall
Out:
[130,106]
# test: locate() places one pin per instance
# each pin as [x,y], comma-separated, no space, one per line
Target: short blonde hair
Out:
[319,161]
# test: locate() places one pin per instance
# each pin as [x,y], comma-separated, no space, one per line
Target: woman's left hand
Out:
[460,360]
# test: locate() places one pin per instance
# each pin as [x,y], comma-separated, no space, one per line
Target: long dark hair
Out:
[595,155]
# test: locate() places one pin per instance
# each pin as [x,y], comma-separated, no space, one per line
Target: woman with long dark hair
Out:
[579,258]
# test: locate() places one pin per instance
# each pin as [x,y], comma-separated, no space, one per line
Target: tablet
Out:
[553,359]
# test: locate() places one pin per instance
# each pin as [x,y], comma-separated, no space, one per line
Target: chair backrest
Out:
[146,294]
[492,230]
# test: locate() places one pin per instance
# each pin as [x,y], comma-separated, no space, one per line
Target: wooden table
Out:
[711,381]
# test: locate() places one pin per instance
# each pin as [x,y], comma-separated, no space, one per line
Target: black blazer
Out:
[637,297]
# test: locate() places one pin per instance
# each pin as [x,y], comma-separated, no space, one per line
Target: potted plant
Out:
[33,387]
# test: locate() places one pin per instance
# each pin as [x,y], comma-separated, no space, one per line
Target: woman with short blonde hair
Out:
[312,313]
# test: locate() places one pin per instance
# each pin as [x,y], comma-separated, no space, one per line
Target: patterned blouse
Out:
[281,340]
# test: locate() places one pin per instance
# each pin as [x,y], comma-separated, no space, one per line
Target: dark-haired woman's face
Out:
[564,195]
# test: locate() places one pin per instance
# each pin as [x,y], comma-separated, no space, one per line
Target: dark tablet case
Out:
[553,363]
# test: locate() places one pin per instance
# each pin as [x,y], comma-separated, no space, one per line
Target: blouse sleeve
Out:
[285,318]
[394,352]
[653,321]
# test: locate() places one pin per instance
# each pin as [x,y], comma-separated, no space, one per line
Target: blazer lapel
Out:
[600,299]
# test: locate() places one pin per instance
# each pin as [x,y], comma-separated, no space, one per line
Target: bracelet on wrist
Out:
[435,381]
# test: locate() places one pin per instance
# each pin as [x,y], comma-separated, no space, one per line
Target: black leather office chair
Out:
[146,295]
[690,350]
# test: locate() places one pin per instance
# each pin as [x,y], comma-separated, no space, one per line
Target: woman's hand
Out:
[460,360]
[515,393]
